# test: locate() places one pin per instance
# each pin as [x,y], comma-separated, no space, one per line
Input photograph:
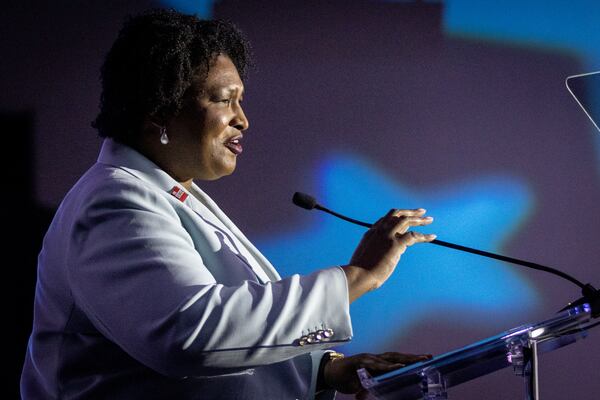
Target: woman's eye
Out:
[226,101]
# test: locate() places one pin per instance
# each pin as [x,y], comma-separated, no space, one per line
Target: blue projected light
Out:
[201,7]
[566,25]
[558,24]
[431,281]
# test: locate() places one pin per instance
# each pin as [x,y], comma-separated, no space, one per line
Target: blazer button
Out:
[303,340]
[312,338]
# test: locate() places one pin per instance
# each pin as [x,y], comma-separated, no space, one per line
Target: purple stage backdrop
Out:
[369,105]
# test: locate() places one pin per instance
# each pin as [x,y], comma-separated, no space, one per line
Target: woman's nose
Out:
[240,121]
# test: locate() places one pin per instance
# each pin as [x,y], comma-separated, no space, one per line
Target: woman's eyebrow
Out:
[231,88]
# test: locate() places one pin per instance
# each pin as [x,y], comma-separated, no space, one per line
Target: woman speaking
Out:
[146,290]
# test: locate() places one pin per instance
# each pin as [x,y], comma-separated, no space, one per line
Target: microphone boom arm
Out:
[590,294]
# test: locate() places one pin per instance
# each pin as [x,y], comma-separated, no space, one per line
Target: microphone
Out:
[591,295]
[308,202]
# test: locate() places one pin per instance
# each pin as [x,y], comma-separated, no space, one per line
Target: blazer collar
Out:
[127,158]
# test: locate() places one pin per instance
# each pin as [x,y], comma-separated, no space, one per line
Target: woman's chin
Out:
[225,170]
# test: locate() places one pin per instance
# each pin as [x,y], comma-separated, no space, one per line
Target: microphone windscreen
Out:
[304,200]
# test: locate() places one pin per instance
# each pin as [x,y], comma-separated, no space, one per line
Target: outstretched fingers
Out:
[411,237]
[405,219]
[402,358]
[392,216]
[403,223]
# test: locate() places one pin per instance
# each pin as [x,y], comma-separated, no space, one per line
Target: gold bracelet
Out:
[327,357]
[334,355]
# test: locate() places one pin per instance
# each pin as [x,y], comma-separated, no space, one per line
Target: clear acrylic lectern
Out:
[518,347]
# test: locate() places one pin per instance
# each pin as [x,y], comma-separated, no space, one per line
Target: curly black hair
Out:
[149,71]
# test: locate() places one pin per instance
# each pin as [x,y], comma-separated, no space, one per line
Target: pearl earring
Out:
[164,139]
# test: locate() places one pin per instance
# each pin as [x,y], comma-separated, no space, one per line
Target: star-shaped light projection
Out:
[430,281]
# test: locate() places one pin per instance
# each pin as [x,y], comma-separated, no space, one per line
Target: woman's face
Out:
[206,135]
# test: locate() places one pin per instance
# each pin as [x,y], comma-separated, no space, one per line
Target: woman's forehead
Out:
[222,74]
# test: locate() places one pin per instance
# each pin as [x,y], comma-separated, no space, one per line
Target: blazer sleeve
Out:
[134,271]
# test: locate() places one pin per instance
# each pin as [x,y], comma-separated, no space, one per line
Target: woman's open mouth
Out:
[234,145]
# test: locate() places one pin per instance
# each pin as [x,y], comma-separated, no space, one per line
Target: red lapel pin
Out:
[179,193]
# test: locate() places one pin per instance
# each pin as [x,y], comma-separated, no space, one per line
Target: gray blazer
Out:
[146,290]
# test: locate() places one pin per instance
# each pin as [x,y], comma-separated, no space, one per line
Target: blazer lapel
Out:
[236,246]
[265,266]
[127,158]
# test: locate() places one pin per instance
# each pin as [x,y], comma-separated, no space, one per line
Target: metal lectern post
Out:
[531,372]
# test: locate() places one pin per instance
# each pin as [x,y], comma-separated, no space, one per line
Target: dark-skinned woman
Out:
[146,290]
